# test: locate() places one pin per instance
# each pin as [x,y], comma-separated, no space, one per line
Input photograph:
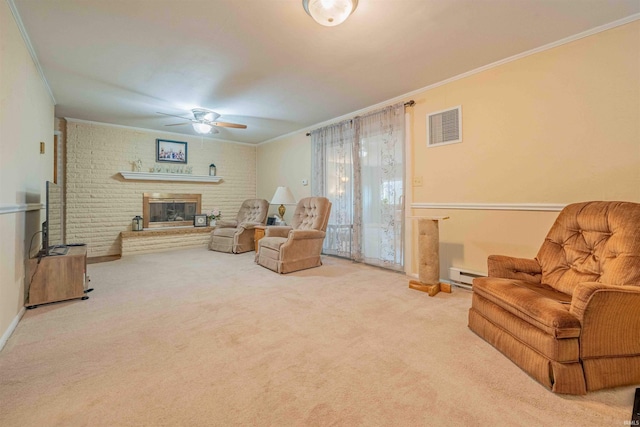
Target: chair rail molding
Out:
[25,207]
[546,207]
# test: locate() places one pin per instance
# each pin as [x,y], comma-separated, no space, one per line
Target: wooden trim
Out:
[165,232]
[430,289]
[106,258]
[55,159]
[258,233]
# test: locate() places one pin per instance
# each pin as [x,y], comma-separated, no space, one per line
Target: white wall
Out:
[26,119]
[285,162]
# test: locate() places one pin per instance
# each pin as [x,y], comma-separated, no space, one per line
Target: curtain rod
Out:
[409,103]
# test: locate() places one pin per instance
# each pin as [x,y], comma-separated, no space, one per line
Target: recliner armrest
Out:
[610,319]
[306,234]
[248,225]
[588,293]
[230,223]
[277,231]
[508,267]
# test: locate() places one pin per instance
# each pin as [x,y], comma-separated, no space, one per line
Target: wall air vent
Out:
[444,127]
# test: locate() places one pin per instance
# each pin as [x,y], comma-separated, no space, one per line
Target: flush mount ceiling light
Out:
[329,12]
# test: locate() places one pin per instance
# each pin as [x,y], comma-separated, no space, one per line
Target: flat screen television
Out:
[52,235]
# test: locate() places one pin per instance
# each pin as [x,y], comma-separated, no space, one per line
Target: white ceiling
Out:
[267,64]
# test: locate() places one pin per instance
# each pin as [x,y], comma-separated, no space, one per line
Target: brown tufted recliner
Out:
[237,235]
[285,249]
[571,316]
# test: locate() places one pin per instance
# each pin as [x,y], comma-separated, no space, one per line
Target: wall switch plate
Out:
[305,182]
[417,181]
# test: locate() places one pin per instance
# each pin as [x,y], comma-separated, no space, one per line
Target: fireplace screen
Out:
[169,210]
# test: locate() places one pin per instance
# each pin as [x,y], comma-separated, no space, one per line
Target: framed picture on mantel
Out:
[171,151]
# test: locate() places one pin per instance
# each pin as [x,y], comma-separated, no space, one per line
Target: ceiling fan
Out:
[204,121]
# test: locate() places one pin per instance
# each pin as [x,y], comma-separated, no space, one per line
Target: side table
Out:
[257,235]
[58,278]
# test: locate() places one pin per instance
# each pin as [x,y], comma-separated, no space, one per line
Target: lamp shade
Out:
[329,12]
[283,196]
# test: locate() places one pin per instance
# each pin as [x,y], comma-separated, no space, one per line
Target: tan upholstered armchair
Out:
[237,235]
[286,249]
[570,317]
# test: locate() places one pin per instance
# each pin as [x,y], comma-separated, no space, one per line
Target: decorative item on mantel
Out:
[214,215]
[137,165]
[136,224]
[199,220]
[187,170]
[212,170]
[429,258]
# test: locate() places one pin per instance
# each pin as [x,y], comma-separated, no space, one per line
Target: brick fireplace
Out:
[169,210]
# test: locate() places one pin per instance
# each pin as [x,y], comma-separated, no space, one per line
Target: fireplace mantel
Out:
[157,176]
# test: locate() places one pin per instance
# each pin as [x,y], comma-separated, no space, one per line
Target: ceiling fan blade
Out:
[228,125]
[173,115]
[179,124]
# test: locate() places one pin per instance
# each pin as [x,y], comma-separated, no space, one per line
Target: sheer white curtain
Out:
[359,166]
[381,137]
[332,177]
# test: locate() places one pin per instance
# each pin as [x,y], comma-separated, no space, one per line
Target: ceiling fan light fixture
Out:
[202,127]
[329,12]
[204,115]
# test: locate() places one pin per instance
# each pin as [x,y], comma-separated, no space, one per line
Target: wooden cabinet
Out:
[57,278]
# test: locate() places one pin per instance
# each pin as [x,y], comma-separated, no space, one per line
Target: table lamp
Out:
[282,197]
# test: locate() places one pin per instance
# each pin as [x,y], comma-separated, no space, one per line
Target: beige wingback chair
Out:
[570,317]
[285,249]
[236,236]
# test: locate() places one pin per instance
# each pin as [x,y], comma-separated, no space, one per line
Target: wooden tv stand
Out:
[57,277]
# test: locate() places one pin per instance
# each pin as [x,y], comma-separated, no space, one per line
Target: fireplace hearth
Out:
[169,210]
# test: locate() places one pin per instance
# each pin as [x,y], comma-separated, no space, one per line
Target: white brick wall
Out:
[100,203]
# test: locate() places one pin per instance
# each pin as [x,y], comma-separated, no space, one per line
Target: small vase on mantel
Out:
[212,223]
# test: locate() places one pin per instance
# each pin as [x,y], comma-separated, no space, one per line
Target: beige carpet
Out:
[199,338]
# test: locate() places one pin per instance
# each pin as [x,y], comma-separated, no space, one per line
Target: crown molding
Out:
[548,46]
[29,46]
[89,122]
[405,97]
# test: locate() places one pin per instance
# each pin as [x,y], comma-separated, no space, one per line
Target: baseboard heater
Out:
[462,277]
